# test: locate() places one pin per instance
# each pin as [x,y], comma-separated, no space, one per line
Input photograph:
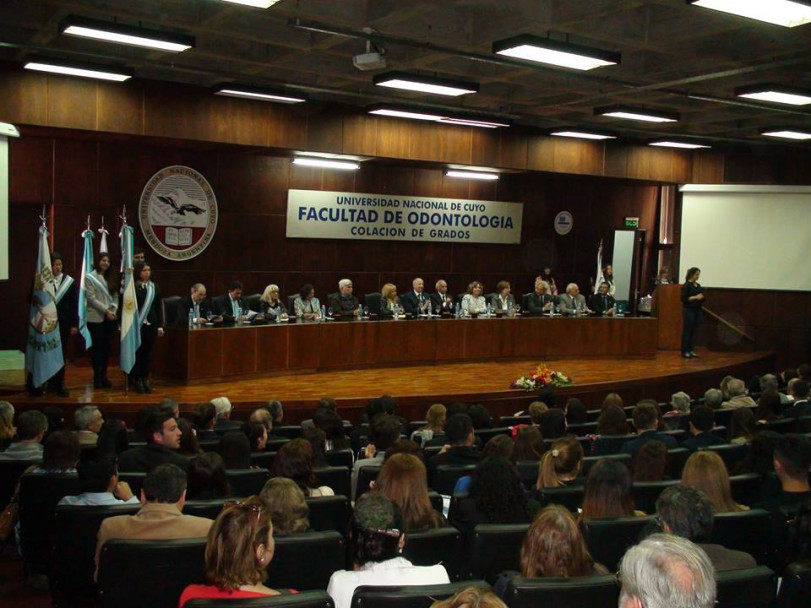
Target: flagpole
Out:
[123,218]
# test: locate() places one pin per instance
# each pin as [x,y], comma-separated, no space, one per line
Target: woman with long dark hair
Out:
[692,299]
[150,324]
[102,305]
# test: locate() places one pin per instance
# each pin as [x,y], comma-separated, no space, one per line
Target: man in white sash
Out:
[66,298]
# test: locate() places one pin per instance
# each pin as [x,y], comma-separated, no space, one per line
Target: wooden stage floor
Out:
[417,387]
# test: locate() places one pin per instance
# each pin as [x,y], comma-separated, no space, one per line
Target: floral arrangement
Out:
[541,376]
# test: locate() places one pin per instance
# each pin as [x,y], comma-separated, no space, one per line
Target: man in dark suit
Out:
[162,441]
[442,300]
[646,421]
[460,451]
[230,305]
[799,390]
[540,300]
[415,302]
[603,302]
[344,304]
[702,421]
[195,302]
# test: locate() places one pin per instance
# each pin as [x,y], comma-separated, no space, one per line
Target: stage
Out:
[417,387]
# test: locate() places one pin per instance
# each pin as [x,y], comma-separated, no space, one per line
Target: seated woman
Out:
[561,464]
[435,419]
[474,303]
[706,471]
[206,478]
[503,302]
[257,434]
[285,503]
[235,449]
[742,426]
[270,303]
[650,462]
[404,481]
[768,406]
[611,423]
[239,547]
[377,539]
[528,445]
[333,426]
[389,300]
[295,461]
[306,305]
[608,492]
[189,446]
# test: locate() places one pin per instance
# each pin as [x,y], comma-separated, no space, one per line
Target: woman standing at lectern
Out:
[692,298]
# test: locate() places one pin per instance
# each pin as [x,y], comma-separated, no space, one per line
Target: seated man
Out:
[573,302]
[100,486]
[442,300]
[646,421]
[540,300]
[162,441]
[385,430]
[416,301]
[198,305]
[688,513]
[160,517]
[230,305]
[792,459]
[31,427]
[770,381]
[344,305]
[459,450]
[603,302]
[276,411]
[738,397]
[223,407]
[702,421]
[801,406]
[713,398]
[88,421]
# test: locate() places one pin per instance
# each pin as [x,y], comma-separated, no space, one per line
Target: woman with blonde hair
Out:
[561,464]
[706,471]
[286,504]
[270,303]
[403,480]
[435,419]
[389,300]
[471,597]
[7,430]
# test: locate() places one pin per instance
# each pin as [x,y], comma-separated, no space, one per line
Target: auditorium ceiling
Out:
[674,56]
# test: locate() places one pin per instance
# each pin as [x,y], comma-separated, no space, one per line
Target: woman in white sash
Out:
[150,322]
[65,290]
[102,304]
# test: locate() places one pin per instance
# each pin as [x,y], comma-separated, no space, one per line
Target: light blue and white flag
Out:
[599,276]
[130,333]
[43,352]
[87,268]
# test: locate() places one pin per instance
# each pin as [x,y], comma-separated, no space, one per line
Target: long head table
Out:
[233,352]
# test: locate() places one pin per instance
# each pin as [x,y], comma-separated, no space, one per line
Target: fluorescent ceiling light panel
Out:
[83,71]
[256,3]
[631,113]
[555,52]
[677,144]
[472,175]
[325,163]
[425,84]
[577,134]
[475,122]
[331,156]
[251,93]
[786,133]
[420,114]
[775,93]
[788,13]
[125,34]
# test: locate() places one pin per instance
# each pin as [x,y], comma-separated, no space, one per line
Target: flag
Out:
[600,278]
[87,268]
[103,242]
[43,352]
[130,333]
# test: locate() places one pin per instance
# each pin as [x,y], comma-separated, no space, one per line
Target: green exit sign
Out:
[632,222]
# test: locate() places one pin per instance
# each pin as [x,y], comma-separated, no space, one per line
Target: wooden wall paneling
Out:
[325,128]
[24,97]
[205,359]
[72,103]
[287,127]
[708,167]
[252,183]
[120,108]
[668,310]
[425,141]
[513,148]
[75,173]
[616,160]
[486,147]
[239,351]
[242,121]
[565,155]
[272,349]
[30,170]
[180,115]
[303,351]
[451,340]
[359,134]
[393,137]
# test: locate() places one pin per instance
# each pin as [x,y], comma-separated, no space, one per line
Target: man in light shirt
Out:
[100,486]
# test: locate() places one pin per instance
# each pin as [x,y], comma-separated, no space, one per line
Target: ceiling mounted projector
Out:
[373,59]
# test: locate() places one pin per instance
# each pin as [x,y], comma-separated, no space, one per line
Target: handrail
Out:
[734,328]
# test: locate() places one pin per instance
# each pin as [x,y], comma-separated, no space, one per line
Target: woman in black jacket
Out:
[692,298]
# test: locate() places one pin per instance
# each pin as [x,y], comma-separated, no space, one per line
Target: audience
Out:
[688,513]
[435,424]
[60,454]
[706,471]
[801,406]
[224,408]
[737,395]
[742,426]
[612,399]
[403,480]
[553,423]
[561,464]
[714,398]
[113,440]
[100,486]
[576,412]
[385,430]
[770,382]
[206,478]
[480,417]
[611,423]
[646,421]
[679,407]
[376,542]
[471,597]
[318,442]
[702,422]
[768,406]
[286,505]
[257,435]
[162,441]
[650,462]
[189,446]
[792,459]
[295,461]
[7,430]
[536,410]
[31,428]
[276,411]
[459,450]
[405,446]
[235,449]
[528,445]
[88,421]
[333,426]
[608,492]
[204,417]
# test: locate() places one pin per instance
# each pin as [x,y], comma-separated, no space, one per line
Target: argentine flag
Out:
[87,268]
[130,334]
[43,352]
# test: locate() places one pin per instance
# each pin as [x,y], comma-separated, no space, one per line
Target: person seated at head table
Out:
[389,300]
[198,305]
[442,300]
[416,301]
[270,303]
[230,305]
[344,304]
[473,302]
[306,305]
[540,300]
[503,301]
[573,302]
[603,302]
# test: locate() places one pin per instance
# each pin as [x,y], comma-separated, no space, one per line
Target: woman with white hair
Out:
[270,303]
[679,407]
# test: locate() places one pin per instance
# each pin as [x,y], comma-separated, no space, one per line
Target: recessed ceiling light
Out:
[578,134]
[83,70]
[425,84]
[775,93]
[788,13]
[308,161]
[416,113]
[485,123]
[125,34]
[555,52]
[632,113]
[786,133]
[405,113]
[482,175]
[260,94]
[256,3]
[685,145]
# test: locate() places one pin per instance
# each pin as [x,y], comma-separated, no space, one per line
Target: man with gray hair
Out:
[343,304]
[713,398]
[276,411]
[769,381]
[736,390]
[223,407]
[666,571]
[88,421]
[31,427]
[540,300]
[573,302]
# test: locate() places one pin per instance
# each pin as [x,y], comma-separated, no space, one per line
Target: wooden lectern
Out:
[667,307]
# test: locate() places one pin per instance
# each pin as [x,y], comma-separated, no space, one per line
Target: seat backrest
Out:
[247,482]
[340,458]
[436,501]
[39,494]
[205,508]
[582,429]
[274,445]
[782,425]
[590,461]
[528,472]
[487,434]
[291,303]
[514,420]
[411,596]
[748,531]
[437,546]
[337,478]
[580,592]
[263,460]
[495,548]
[305,599]
[134,480]
[750,588]
[731,453]
[569,497]
[675,462]
[167,565]
[75,531]
[291,431]
[746,489]
[372,302]
[10,472]
[330,513]
[322,552]
[795,588]
[609,539]
[445,477]
[646,493]
[253,301]
[366,475]
[170,309]
[804,424]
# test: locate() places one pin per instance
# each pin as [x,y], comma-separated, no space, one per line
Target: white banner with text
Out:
[315,214]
